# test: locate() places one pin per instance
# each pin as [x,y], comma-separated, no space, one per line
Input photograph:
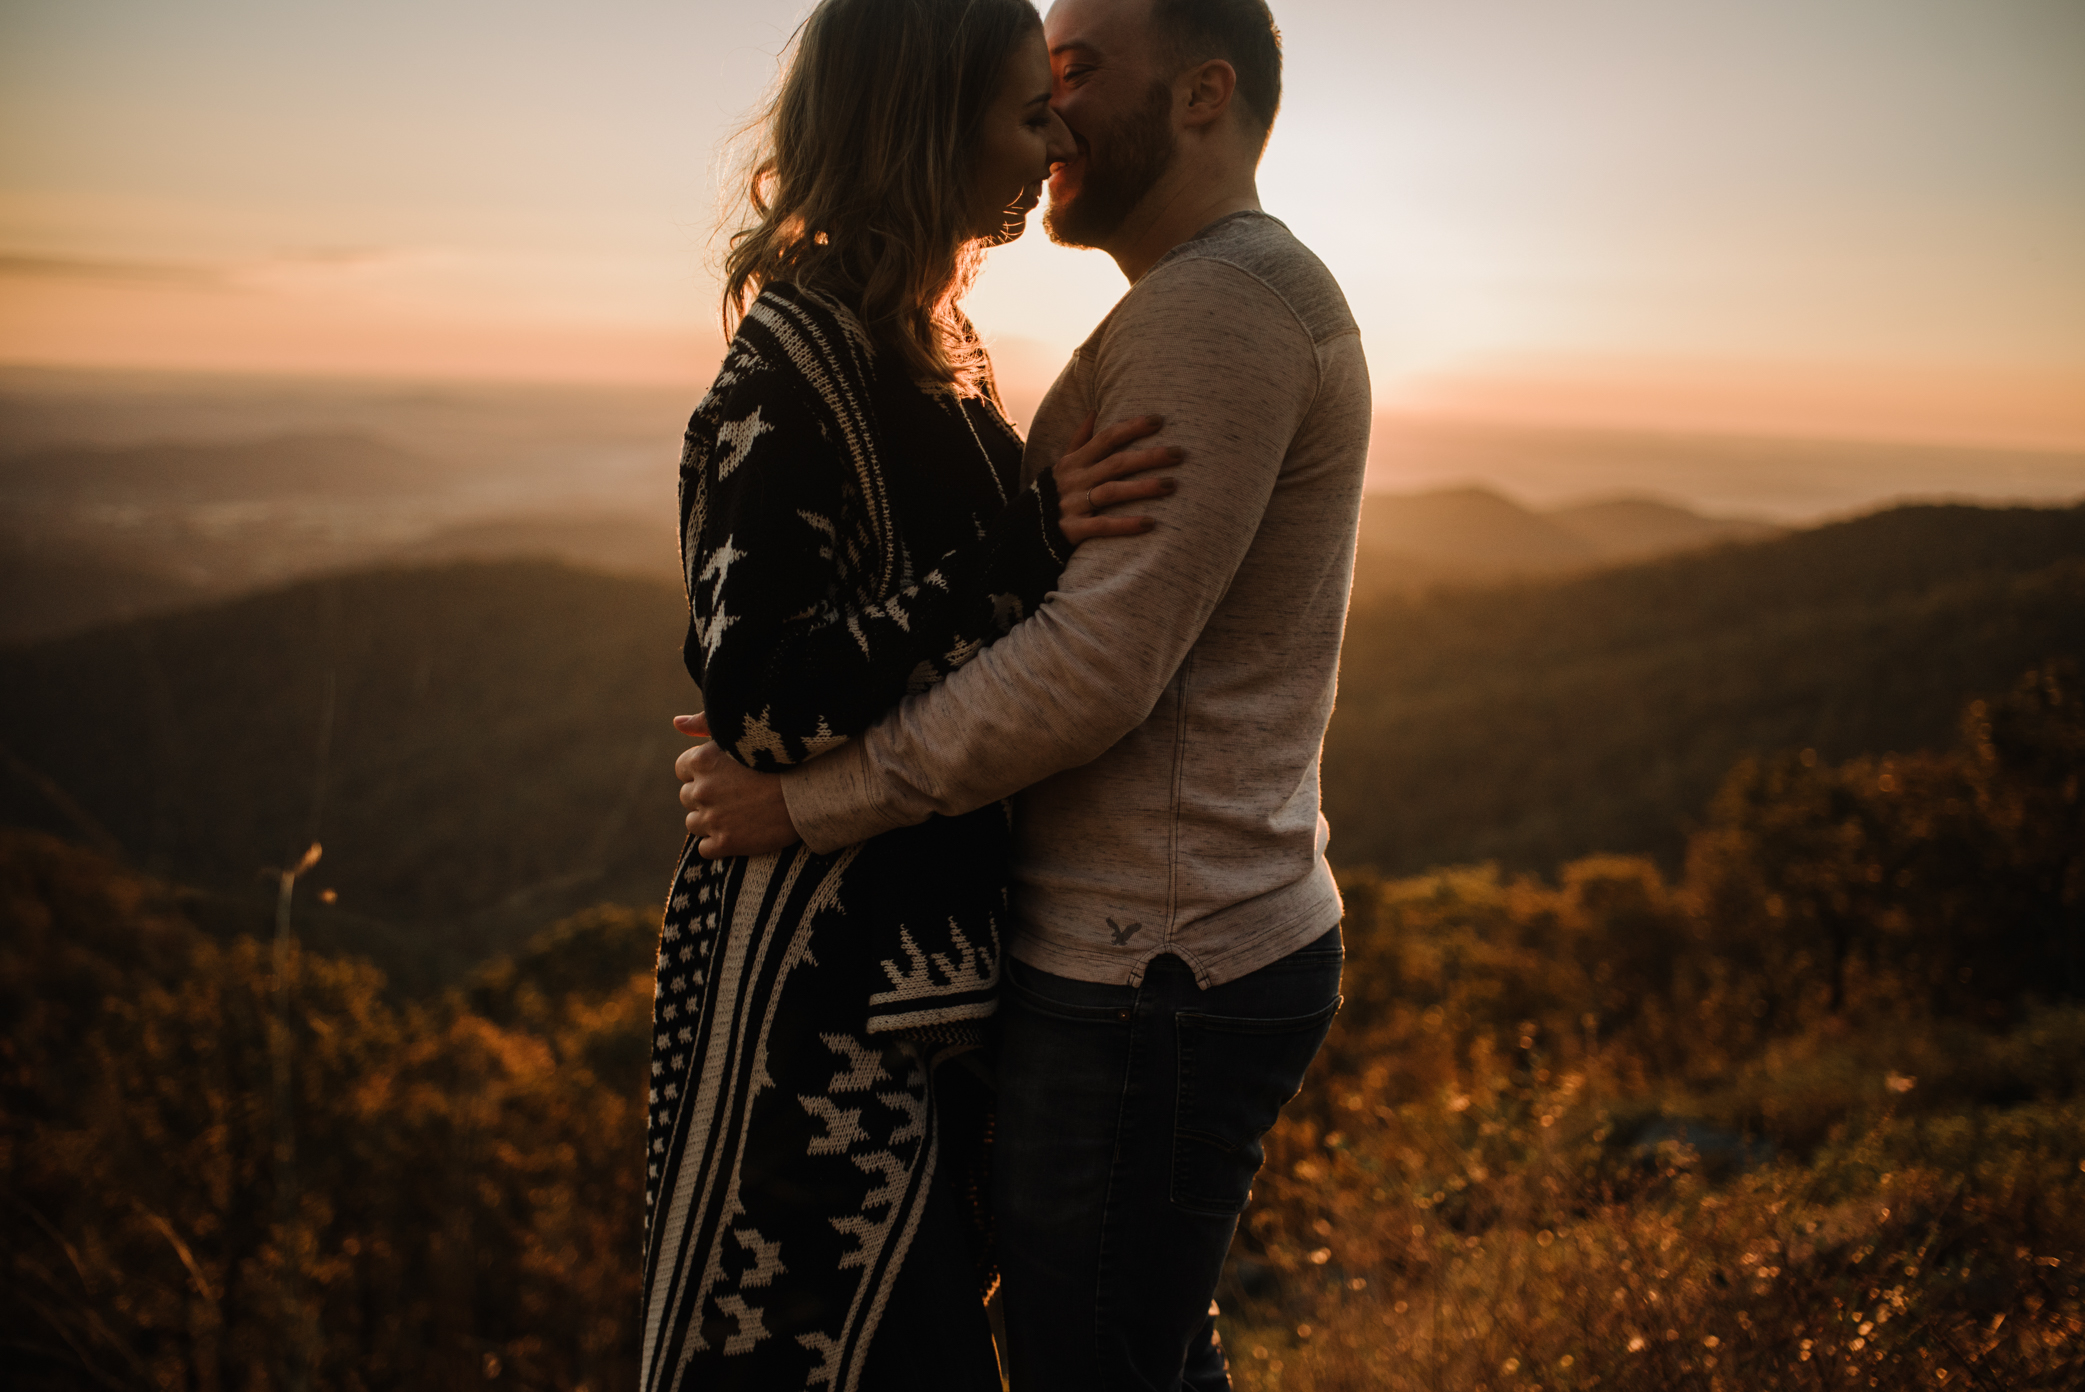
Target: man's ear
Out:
[1209,87]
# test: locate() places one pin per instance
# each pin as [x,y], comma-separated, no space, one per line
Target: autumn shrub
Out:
[1513,1231]
[444,1198]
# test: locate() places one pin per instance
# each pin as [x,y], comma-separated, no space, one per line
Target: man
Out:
[1175,954]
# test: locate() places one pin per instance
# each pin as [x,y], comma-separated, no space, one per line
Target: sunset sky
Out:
[1819,216]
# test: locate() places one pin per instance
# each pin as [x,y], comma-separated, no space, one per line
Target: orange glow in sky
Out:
[1866,218]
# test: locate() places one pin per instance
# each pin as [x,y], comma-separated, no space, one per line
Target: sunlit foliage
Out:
[449,1195]
[1811,1116]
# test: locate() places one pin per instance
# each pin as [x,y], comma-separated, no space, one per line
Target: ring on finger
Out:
[1089,501]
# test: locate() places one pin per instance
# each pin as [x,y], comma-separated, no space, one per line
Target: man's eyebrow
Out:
[1074,45]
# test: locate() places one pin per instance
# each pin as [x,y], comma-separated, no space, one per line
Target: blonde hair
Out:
[859,182]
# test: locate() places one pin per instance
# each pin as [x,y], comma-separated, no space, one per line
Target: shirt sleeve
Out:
[1234,374]
[792,658]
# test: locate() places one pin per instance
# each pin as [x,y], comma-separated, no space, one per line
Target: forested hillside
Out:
[1532,723]
[482,747]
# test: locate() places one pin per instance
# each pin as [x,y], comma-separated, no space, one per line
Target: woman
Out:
[853,529]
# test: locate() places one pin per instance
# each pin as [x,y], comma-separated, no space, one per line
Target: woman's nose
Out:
[1059,142]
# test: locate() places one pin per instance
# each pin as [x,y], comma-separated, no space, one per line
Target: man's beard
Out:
[1118,173]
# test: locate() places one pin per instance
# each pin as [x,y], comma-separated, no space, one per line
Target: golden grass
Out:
[1929,1252]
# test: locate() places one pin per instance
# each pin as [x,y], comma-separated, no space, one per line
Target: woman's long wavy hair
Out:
[859,183]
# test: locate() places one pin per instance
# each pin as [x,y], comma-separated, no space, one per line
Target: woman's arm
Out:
[791,656]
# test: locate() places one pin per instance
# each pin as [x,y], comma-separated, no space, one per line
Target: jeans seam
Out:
[1300,962]
[1186,1025]
[1060,1010]
[1184,1075]
[1261,1024]
[1074,1014]
[1109,1234]
[1184,1071]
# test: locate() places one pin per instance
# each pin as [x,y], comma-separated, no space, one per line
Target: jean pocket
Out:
[1236,1074]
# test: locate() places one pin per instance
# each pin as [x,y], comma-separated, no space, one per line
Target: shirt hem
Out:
[1232,953]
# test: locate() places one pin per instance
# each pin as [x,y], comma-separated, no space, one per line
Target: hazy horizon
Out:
[614,446]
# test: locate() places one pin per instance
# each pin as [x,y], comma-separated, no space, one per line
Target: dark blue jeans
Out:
[1128,1136]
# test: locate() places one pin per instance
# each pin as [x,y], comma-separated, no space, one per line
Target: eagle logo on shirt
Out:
[1122,934]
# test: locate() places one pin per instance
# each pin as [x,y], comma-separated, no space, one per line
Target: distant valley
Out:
[91,534]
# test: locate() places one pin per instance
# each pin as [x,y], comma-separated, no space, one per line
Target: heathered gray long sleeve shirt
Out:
[1160,717]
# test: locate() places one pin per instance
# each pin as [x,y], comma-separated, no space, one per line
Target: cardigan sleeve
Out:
[792,645]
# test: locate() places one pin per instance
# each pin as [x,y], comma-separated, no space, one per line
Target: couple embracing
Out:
[1004,930]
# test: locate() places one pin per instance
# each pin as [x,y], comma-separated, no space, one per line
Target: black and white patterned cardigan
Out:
[849,537]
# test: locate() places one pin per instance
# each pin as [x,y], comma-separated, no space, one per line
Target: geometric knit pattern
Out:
[847,537]
[794,1170]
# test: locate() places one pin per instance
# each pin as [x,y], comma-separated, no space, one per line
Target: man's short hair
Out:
[1241,32]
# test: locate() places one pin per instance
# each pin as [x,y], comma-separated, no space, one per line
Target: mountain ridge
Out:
[1473,534]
